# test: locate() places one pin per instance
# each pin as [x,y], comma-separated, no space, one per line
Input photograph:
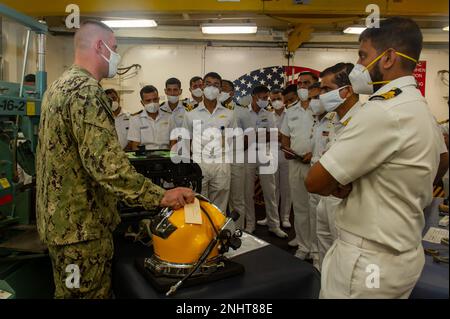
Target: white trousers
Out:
[314,200]
[216,183]
[237,193]
[326,224]
[283,193]
[352,271]
[300,201]
[268,187]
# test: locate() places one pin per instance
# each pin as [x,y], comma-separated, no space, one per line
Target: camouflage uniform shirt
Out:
[81,169]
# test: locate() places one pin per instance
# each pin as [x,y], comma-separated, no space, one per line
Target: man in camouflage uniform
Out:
[82,171]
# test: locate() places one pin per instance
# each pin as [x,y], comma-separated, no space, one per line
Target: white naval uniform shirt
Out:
[297,125]
[390,152]
[177,114]
[154,134]
[340,124]
[247,119]
[279,118]
[338,127]
[191,101]
[122,124]
[238,147]
[231,105]
[279,122]
[220,118]
[322,133]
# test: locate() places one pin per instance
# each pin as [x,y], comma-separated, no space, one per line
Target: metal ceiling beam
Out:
[193,33]
[274,7]
[300,34]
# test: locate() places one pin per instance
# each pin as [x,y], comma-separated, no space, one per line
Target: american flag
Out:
[274,77]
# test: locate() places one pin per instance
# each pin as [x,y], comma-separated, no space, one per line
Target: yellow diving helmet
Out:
[184,249]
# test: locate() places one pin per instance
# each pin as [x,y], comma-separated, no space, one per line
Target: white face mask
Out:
[262,103]
[114,106]
[224,96]
[152,107]
[211,93]
[198,92]
[278,104]
[113,61]
[303,94]
[332,100]
[360,79]
[173,98]
[245,100]
[316,107]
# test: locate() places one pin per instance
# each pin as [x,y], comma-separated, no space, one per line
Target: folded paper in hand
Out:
[193,213]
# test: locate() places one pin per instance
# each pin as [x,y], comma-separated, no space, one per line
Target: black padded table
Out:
[269,273]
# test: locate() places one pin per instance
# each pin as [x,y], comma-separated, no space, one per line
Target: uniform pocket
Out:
[163,133]
[339,266]
[147,135]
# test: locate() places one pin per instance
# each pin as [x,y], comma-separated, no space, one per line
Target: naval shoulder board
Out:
[386,96]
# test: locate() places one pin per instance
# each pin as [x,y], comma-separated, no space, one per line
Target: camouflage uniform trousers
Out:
[94,260]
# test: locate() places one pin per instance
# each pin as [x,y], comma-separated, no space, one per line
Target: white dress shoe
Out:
[278,232]
[286,224]
[262,222]
[293,243]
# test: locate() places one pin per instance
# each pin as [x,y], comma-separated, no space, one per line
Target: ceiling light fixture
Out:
[354,30]
[130,23]
[212,28]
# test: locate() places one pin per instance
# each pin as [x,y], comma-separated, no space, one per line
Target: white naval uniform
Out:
[248,119]
[282,177]
[322,132]
[237,186]
[297,125]
[191,101]
[390,153]
[326,208]
[177,113]
[154,134]
[216,172]
[122,124]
